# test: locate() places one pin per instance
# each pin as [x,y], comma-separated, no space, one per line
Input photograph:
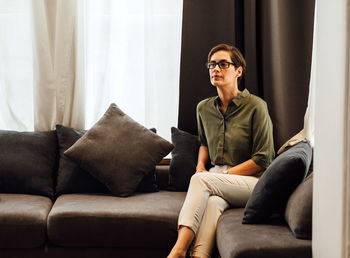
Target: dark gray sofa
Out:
[141,225]
[90,225]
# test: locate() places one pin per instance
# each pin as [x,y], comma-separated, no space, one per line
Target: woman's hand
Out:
[200,169]
[247,168]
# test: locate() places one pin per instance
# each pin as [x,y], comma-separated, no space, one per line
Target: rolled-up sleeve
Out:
[262,136]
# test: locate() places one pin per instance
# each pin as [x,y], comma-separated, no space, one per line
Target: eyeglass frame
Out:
[218,63]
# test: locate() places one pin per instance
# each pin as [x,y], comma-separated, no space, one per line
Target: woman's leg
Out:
[184,240]
[232,188]
[204,241]
[225,191]
[188,226]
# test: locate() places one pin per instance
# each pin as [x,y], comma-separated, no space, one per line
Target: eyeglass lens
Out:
[222,65]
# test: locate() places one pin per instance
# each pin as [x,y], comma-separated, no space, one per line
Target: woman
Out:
[235,132]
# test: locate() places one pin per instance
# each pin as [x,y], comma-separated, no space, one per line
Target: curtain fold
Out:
[286,63]
[56,97]
[276,39]
[44,78]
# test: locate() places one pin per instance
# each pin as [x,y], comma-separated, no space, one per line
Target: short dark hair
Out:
[236,55]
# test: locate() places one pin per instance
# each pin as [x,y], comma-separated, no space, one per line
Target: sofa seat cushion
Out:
[23,220]
[146,220]
[273,240]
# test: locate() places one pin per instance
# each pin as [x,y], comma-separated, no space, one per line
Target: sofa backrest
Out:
[34,163]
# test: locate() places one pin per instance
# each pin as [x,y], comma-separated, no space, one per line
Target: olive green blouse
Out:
[243,133]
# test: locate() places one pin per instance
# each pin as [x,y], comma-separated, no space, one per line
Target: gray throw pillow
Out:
[27,162]
[298,212]
[73,179]
[271,193]
[118,151]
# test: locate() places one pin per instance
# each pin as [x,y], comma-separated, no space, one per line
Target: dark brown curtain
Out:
[276,39]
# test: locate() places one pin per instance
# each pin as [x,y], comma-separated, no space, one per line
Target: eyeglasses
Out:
[222,65]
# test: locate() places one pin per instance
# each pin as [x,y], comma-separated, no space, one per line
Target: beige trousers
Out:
[209,194]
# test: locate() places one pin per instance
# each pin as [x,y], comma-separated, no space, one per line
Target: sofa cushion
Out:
[273,240]
[145,220]
[27,162]
[271,193]
[118,151]
[72,178]
[183,159]
[298,212]
[23,220]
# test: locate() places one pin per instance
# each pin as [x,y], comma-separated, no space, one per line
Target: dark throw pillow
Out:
[27,162]
[298,212]
[70,177]
[183,159]
[118,151]
[280,179]
[73,179]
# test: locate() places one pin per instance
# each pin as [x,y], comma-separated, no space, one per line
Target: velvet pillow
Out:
[27,162]
[73,179]
[183,159]
[273,189]
[118,151]
[298,212]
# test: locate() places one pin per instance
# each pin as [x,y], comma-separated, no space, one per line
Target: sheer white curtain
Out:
[16,69]
[64,62]
[39,76]
[133,59]
[58,91]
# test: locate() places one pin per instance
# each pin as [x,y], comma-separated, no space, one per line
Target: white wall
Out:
[330,128]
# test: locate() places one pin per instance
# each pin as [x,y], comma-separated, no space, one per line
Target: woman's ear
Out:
[239,71]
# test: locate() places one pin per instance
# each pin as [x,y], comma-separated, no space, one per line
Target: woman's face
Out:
[223,76]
